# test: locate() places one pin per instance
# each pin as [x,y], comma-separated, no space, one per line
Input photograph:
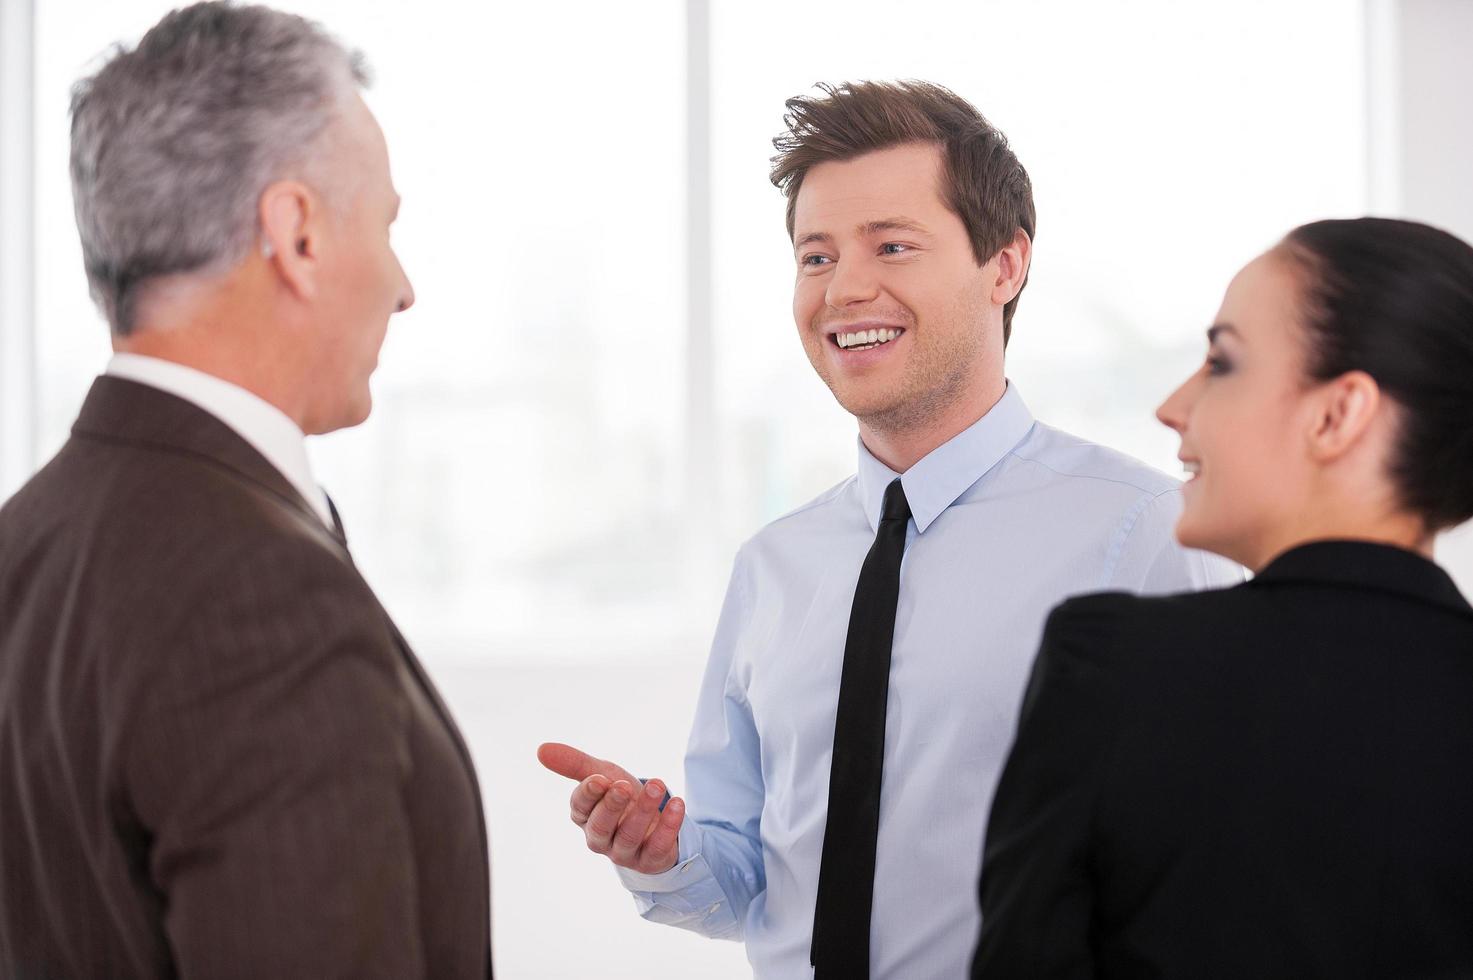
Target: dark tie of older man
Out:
[337,522]
[846,876]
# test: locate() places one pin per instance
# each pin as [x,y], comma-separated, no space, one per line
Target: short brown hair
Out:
[983,182]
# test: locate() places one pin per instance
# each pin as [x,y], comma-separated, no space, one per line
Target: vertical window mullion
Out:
[17,244]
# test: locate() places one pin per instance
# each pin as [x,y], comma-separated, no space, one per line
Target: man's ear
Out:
[1012,268]
[290,217]
[1347,407]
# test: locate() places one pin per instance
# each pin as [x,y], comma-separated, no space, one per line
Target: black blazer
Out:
[1273,780]
[218,758]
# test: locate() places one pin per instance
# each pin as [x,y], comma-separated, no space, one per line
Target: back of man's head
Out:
[174,141]
[982,181]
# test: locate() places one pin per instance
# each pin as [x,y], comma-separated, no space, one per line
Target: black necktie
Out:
[337,522]
[846,875]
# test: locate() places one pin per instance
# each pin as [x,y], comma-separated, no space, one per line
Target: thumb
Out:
[576,764]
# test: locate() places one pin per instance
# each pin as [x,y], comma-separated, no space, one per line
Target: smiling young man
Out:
[865,678]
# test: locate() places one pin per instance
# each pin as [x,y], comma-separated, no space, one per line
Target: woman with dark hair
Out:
[1272,780]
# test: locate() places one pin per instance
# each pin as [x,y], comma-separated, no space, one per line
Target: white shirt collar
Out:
[264,426]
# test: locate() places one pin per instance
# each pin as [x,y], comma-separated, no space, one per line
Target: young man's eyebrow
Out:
[865,230]
[813,237]
[1217,329]
[892,224]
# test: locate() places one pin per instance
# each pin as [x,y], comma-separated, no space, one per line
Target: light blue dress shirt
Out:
[1009,518]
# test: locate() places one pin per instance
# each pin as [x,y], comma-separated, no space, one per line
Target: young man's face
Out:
[893,310]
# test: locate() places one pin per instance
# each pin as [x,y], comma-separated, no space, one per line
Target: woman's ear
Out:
[1348,405]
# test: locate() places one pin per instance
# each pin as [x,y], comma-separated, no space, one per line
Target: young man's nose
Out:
[850,283]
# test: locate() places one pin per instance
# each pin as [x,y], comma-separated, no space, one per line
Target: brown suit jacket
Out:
[218,757]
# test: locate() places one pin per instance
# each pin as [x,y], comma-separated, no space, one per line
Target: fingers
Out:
[635,825]
[587,796]
[619,817]
[568,761]
[577,764]
[603,821]
[662,847]
[626,824]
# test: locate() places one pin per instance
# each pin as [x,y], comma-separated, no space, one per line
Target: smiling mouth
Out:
[865,339]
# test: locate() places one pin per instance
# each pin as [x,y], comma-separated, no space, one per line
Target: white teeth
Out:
[1192,468]
[864,338]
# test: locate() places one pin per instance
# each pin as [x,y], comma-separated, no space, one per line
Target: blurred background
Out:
[600,392]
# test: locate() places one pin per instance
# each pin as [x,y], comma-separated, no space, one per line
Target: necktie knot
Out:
[896,507]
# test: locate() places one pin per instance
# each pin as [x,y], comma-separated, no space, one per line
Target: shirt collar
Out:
[936,481]
[264,426]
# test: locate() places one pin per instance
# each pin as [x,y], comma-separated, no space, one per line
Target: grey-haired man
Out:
[221,758]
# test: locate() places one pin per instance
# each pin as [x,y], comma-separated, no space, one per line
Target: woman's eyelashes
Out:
[1217,364]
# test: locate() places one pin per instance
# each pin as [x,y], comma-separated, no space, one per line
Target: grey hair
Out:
[174,141]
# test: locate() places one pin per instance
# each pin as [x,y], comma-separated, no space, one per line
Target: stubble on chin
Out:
[914,407]
[931,382]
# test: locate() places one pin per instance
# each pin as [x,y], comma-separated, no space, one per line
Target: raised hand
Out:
[619,818]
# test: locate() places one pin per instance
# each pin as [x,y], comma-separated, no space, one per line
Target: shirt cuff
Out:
[690,867]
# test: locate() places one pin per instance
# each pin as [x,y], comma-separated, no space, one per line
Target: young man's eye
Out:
[894,248]
[1217,365]
[813,260]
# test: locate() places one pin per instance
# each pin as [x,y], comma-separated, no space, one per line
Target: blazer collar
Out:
[1366,565]
[121,411]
